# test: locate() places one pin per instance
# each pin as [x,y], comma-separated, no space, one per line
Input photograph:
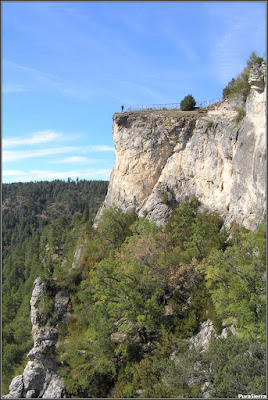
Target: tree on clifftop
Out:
[188,103]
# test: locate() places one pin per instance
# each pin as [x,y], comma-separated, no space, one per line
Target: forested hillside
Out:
[33,213]
[28,207]
[143,295]
[140,294]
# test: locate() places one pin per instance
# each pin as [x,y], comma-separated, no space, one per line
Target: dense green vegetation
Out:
[34,214]
[139,294]
[240,86]
[143,293]
[28,207]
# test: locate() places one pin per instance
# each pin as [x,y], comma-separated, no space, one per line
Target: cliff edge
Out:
[217,154]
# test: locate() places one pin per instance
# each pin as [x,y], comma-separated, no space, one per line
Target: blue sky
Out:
[67,67]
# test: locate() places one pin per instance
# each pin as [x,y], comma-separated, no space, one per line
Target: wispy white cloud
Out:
[134,23]
[226,54]
[78,93]
[237,33]
[13,88]
[72,159]
[100,148]
[144,90]
[16,155]
[14,172]
[35,73]
[36,174]
[187,48]
[36,138]
[169,28]
[52,81]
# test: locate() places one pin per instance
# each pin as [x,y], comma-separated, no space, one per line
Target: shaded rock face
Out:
[40,378]
[208,155]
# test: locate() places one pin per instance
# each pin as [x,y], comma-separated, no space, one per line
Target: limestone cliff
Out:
[163,156]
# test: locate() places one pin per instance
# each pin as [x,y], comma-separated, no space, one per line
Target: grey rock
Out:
[209,155]
[34,376]
[55,388]
[62,299]
[227,331]
[15,388]
[39,290]
[40,378]
[205,335]
[118,337]
[30,394]
[207,332]
[257,76]
[205,390]
[77,255]
[45,333]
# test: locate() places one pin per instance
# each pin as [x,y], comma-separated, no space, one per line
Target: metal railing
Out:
[170,106]
[206,103]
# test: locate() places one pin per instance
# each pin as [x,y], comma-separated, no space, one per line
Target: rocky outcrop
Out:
[257,78]
[207,332]
[200,375]
[162,157]
[40,377]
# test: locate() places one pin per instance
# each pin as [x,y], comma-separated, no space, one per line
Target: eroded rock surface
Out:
[208,155]
[40,377]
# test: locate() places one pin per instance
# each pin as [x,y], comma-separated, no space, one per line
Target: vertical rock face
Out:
[40,378]
[177,154]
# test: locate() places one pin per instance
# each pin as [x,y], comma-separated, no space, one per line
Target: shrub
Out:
[45,306]
[114,226]
[209,124]
[240,85]
[188,103]
[241,113]
[165,198]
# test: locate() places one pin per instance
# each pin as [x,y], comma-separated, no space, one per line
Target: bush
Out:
[209,124]
[165,198]
[114,226]
[240,86]
[188,103]
[241,113]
